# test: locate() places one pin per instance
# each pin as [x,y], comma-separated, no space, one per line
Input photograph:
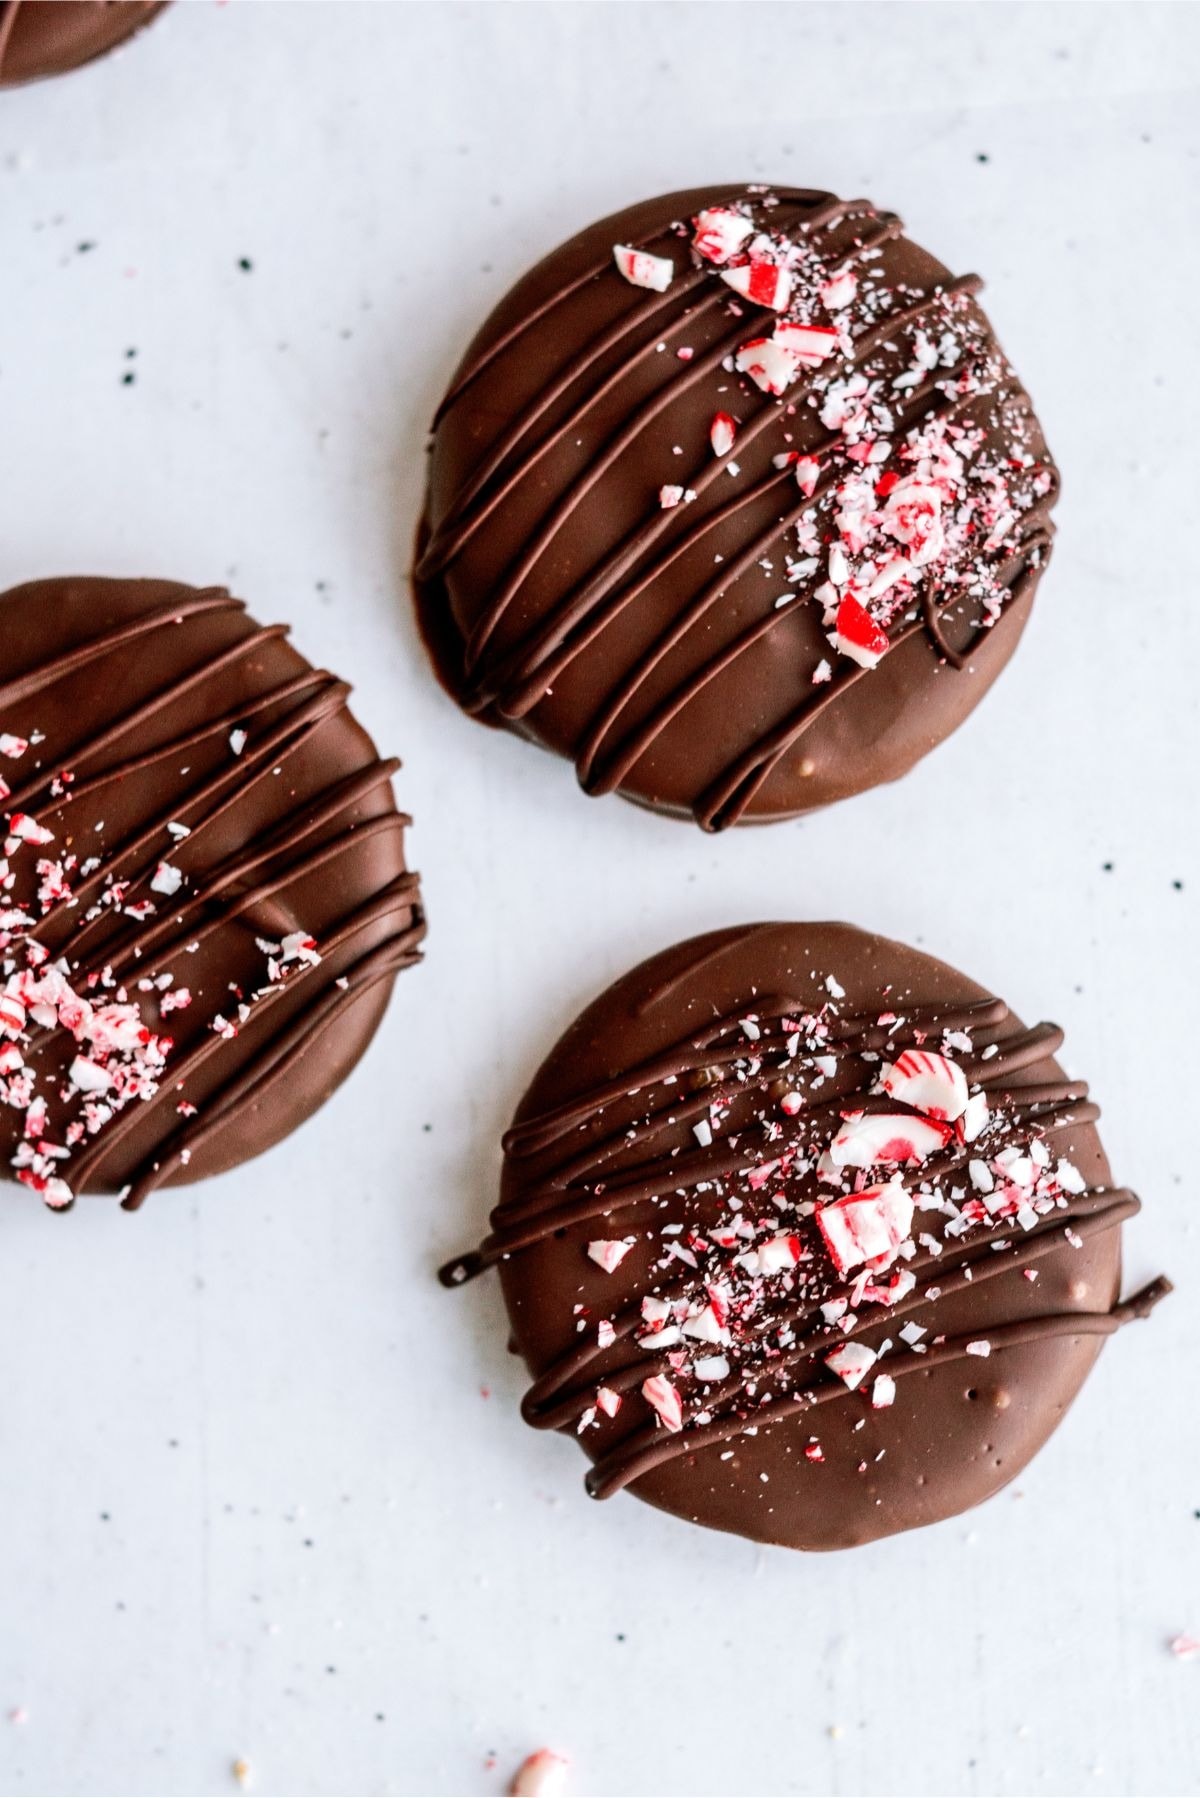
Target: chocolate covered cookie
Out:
[806,1236]
[51,37]
[204,900]
[735,502]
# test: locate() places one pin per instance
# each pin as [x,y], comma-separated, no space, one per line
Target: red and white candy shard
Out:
[719,233]
[929,1083]
[662,1395]
[643,270]
[809,344]
[543,1775]
[808,473]
[608,1401]
[608,1254]
[974,1119]
[852,1362]
[867,1227]
[883,1391]
[886,1139]
[770,366]
[762,282]
[838,290]
[858,636]
[721,433]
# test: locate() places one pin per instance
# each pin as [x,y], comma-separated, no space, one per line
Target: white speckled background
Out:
[252,1500]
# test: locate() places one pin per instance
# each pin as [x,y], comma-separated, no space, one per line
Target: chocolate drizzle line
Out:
[507,684]
[691,1073]
[637,1456]
[225,890]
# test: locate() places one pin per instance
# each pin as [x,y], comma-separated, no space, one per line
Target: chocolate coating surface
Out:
[700,1127]
[207,899]
[51,37]
[602,572]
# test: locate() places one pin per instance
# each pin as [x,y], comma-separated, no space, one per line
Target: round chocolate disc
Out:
[203,894]
[51,37]
[806,1236]
[734,501]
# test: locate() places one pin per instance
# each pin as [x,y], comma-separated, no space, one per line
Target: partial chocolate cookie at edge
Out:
[735,502]
[806,1236]
[204,899]
[52,37]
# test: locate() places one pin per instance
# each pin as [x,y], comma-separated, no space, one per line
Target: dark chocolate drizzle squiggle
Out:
[311,838]
[508,683]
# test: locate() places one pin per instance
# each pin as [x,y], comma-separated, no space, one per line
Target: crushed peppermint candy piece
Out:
[852,1362]
[166,879]
[769,364]
[721,433]
[88,1076]
[719,233]
[762,282]
[886,1139]
[868,1226]
[643,270]
[883,1391]
[808,472]
[608,1254]
[809,344]
[839,290]
[857,635]
[542,1775]
[928,1082]
[662,1395]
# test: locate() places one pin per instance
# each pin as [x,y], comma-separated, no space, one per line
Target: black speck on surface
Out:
[982,156]
[428,1129]
[1107,867]
[1178,885]
[83,248]
[620,1635]
[105,1517]
[380,1717]
[128,378]
[309,1543]
[246,265]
